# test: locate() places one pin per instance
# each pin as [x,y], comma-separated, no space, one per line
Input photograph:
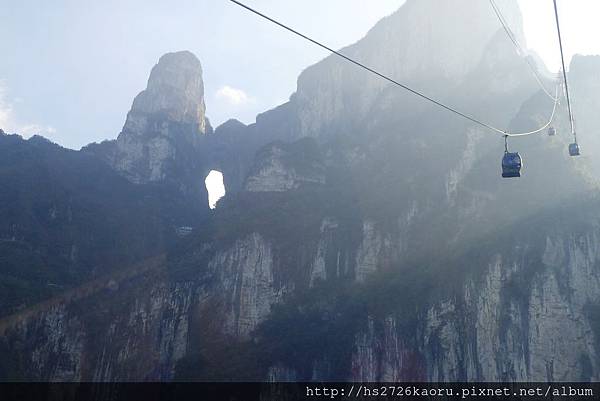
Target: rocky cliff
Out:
[165,120]
[424,44]
[164,135]
[365,235]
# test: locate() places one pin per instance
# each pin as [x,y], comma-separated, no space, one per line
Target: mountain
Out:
[365,235]
[426,44]
[67,217]
[165,129]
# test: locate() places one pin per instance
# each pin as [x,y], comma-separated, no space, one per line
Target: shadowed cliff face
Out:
[66,218]
[365,234]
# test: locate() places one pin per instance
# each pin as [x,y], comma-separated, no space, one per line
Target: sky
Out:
[70,69]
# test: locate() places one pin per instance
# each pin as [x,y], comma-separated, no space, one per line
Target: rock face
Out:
[494,332]
[425,44]
[246,273]
[382,355]
[175,89]
[281,167]
[163,134]
[143,343]
[369,236]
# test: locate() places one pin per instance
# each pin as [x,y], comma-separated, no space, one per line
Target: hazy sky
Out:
[70,69]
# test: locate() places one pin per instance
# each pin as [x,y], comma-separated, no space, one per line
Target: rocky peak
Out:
[162,136]
[175,89]
[431,45]
[437,39]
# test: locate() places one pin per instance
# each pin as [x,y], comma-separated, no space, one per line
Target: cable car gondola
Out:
[574,149]
[511,163]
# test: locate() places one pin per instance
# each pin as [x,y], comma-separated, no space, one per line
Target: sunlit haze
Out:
[70,71]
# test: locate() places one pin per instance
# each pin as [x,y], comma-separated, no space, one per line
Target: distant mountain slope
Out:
[66,217]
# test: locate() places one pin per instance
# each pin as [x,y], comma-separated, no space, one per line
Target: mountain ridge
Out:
[372,240]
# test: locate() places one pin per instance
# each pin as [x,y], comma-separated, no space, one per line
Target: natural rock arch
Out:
[215,187]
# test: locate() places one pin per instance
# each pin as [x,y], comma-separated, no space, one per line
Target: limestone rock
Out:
[165,125]
[175,89]
[428,44]
[281,167]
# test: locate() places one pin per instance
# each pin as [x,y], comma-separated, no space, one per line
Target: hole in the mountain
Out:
[215,187]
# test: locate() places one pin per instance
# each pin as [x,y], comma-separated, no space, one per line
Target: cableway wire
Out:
[564,71]
[519,48]
[549,120]
[413,91]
